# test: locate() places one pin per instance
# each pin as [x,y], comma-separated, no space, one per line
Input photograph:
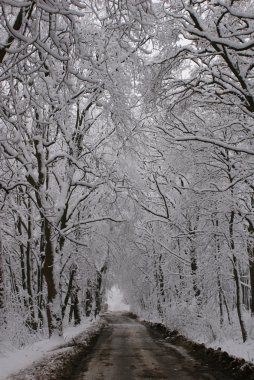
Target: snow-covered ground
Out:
[231,342]
[238,349]
[199,330]
[12,361]
[16,360]
[229,339]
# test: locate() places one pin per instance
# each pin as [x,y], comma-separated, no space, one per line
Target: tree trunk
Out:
[220,301]
[226,307]
[75,302]
[89,300]
[218,269]
[70,290]
[2,287]
[236,278]
[251,264]
[31,319]
[98,289]
[194,268]
[53,308]
[98,295]
[251,269]
[22,257]
[74,309]
[40,264]
[159,282]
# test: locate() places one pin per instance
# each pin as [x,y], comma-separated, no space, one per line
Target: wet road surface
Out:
[127,351]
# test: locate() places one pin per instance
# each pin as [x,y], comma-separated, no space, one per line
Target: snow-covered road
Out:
[126,350]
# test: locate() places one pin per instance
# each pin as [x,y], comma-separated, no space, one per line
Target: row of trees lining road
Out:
[195,235]
[127,156]
[66,84]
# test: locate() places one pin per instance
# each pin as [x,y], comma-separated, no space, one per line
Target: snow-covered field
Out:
[16,360]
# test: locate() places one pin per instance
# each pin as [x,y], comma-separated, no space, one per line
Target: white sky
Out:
[115,300]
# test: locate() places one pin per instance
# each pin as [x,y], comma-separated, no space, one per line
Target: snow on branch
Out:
[72,228]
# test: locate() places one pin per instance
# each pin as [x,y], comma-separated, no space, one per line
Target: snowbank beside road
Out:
[15,361]
[241,350]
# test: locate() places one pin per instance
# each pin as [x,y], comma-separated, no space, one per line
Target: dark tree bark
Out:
[52,306]
[89,299]
[24,13]
[2,286]
[159,281]
[218,270]
[194,268]
[74,309]
[40,304]
[72,293]
[98,290]
[251,263]
[22,257]
[236,278]
[31,319]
